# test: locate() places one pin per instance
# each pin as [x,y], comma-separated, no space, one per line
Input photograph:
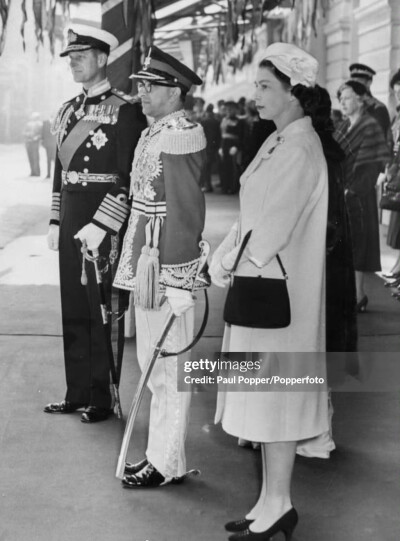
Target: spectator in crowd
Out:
[232,131]
[32,136]
[393,237]
[49,144]
[378,110]
[337,117]
[256,130]
[367,153]
[198,109]
[221,110]
[212,132]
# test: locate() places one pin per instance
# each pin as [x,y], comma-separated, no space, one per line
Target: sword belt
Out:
[74,177]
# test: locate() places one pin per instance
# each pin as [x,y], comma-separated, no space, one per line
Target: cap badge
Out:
[147,60]
[72,36]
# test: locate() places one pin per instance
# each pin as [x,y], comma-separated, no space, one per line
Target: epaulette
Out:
[125,97]
[182,136]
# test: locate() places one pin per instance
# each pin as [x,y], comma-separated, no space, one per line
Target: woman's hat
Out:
[298,65]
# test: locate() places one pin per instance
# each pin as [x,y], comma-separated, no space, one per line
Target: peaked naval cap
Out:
[361,70]
[163,68]
[84,37]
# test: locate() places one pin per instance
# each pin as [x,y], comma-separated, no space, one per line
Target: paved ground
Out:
[57,474]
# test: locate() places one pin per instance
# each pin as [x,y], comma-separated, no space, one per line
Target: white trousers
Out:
[169,409]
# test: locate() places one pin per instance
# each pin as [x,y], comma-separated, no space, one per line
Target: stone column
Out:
[338,33]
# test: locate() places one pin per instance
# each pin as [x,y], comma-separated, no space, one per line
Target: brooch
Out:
[279,140]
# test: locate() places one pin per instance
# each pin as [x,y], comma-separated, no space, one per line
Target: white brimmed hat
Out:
[83,37]
[298,65]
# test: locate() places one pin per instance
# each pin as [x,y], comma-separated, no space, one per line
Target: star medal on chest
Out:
[99,139]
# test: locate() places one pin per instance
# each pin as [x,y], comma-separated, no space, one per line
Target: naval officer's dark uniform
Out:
[96,138]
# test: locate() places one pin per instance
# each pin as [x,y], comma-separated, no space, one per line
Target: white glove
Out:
[93,236]
[228,260]
[219,276]
[53,237]
[233,151]
[179,300]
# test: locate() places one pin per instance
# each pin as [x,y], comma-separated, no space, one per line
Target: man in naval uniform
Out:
[378,110]
[160,256]
[96,133]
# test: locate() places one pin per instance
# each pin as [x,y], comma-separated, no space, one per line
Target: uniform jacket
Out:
[97,135]
[168,208]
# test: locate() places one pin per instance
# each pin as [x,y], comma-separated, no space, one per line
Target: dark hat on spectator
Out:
[395,79]
[361,70]
[83,37]
[164,69]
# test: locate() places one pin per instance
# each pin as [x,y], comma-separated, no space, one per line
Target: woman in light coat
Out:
[283,200]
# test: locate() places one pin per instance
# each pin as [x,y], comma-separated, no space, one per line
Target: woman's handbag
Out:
[390,199]
[257,302]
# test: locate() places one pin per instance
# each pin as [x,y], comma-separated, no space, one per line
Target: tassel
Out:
[147,288]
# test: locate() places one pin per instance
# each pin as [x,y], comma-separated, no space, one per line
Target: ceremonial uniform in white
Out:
[283,200]
[160,254]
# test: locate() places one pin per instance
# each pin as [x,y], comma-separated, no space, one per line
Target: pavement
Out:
[57,475]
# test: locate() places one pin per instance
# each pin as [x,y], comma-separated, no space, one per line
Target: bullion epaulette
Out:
[125,97]
[182,136]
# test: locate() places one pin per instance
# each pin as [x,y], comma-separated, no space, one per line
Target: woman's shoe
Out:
[285,524]
[395,283]
[362,305]
[238,525]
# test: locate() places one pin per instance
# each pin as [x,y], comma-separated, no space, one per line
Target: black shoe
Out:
[148,477]
[93,414]
[392,275]
[238,525]
[63,407]
[285,524]
[361,306]
[135,468]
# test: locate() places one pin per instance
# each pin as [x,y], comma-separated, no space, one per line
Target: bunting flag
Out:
[132,22]
[4,9]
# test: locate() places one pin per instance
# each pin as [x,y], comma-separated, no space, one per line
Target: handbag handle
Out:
[243,246]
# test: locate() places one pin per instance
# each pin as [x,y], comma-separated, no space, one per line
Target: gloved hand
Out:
[219,276]
[233,151]
[179,300]
[53,237]
[228,260]
[93,236]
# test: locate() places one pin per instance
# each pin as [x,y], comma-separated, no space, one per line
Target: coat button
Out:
[86,158]
[84,183]
[78,99]
[91,132]
[88,145]
[86,170]
[103,97]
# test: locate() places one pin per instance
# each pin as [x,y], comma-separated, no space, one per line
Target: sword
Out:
[106,322]
[158,351]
